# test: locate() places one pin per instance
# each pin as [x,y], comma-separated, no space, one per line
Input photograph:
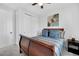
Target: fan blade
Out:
[48,3]
[41,7]
[34,3]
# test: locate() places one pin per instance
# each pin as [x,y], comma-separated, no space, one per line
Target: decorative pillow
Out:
[45,32]
[54,34]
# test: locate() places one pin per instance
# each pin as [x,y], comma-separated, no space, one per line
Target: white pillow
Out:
[62,34]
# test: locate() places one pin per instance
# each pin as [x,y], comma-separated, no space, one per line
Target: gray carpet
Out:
[13,50]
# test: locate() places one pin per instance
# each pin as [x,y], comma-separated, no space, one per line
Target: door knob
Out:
[10,32]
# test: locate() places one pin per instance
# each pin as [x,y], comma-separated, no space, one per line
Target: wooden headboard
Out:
[55,28]
[33,47]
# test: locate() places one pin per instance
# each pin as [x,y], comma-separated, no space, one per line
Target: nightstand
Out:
[73,46]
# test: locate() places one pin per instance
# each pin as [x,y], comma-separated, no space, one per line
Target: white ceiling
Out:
[48,8]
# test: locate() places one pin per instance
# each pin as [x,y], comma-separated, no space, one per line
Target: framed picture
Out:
[53,20]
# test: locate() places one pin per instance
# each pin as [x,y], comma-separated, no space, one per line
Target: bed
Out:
[58,44]
[43,45]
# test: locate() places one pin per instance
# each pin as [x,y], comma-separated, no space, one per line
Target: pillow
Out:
[54,34]
[62,34]
[45,32]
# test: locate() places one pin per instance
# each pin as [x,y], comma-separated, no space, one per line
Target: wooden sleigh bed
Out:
[33,47]
[40,47]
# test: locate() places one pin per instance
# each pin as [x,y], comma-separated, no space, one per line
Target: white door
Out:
[6,28]
[29,25]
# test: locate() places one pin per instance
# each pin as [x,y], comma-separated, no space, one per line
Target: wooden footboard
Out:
[33,47]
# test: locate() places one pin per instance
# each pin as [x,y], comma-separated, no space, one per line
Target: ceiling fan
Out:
[40,4]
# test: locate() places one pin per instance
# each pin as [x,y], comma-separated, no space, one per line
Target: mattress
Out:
[58,43]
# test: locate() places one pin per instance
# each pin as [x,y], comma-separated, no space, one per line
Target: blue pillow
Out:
[54,34]
[45,32]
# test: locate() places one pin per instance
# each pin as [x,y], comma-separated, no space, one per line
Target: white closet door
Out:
[26,25]
[29,25]
[6,28]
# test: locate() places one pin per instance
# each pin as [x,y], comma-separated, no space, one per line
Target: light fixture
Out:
[40,4]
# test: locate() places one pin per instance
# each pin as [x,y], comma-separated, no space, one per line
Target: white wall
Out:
[25,24]
[68,18]
[42,23]
[43,19]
